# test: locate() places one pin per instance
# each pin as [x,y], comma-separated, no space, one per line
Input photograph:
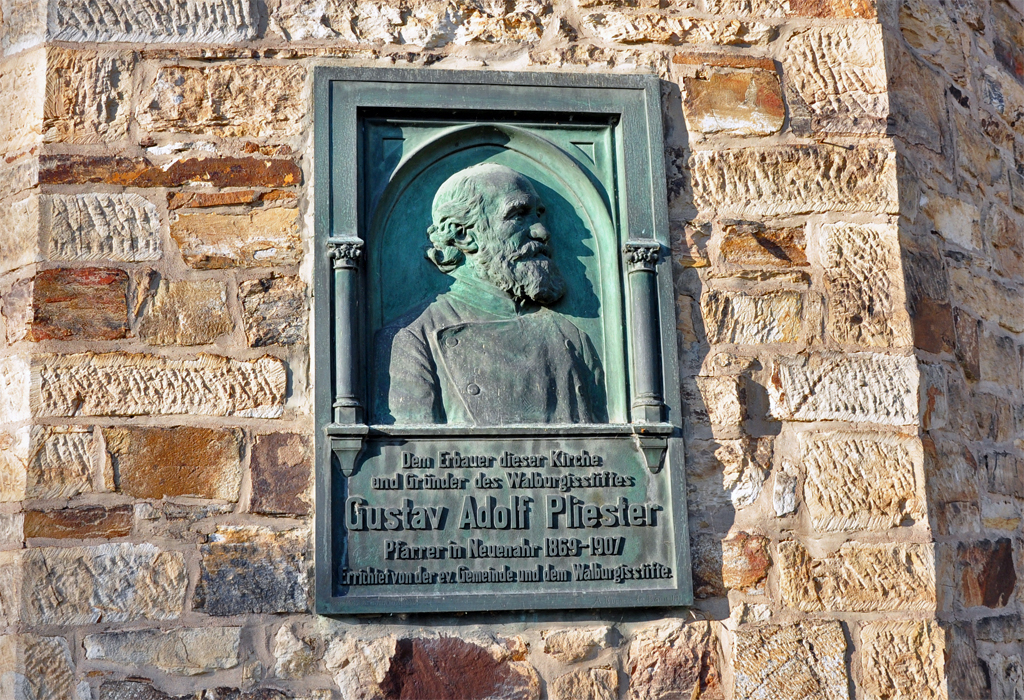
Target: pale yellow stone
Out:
[23,26]
[360,666]
[261,238]
[61,462]
[12,531]
[722,399]
[154,21]
[929,28]
[856,387]
[650,28]
[674,659]
[992,299]
[735,317]
[22,83]
[187,652]
[744,469]
[295,658]
[858,577]
[87,96]
[903,660]
[576,644]
[803,661]
[586,684]
[15,449]
[126,384]
[12,574]
[858,481]
[19,233]
[864,281]
[37,668]
[101,227]
[776,180]
[957,221]
[187,312]
[15,380]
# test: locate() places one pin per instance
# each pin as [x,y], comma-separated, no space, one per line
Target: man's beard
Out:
[526,273]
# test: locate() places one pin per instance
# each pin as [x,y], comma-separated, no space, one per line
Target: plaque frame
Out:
[633,103]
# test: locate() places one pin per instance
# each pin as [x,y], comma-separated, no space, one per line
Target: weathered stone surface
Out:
[859,481]
[864,279]
[61,463]
[186,652]
[743,103]
[82,522]
[179,461]
[102,226]
[674,659]
[19,233]
[784,493]
[934,328]
[735,317]
[37,668]
[934,34]
[839,9]
[985,573]
[803,661]
[903,660]
[859,387]
[733,469]
[87,96]
[752,245]
[18,176]
[24,25]
[295,657]
[359,666]
[154,21]
[22,82]
[15,380]
[225,171]
[200,200]
[261,238]
[775,180]
[588,684]
[706,559]
[649,28]
[996,300]
[836,74]
[859,577]
[138,690]
[112,582]
[957,221]
[282,468]
[274,311]
[253,101]
[126,384]
[186,312]
[723,399]
[745,561]
[1005,472]
[253,570]
[82,303]
[997,355]
[15,447]
[12,531]
[576,644]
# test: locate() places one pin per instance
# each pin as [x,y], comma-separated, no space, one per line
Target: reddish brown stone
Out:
[752,245]
[745,560]
[87,303]
[140,172]
[180,461]
[967,343]
[724,60]
[745,103]
[985,573]
[674,660]
[281,470]
[199,200]
[449,668]
[857,9]
[933,326]
[79,523]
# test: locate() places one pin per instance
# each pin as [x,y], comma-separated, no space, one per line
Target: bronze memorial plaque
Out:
[498,412]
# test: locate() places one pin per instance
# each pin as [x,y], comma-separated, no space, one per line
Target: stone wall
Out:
[846,190]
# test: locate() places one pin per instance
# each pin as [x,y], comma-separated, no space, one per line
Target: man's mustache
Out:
[533,249]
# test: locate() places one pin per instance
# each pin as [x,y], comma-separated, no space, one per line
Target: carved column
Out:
[346,253]
[641,260]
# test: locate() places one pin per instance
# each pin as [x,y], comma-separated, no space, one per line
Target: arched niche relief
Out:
[503,412]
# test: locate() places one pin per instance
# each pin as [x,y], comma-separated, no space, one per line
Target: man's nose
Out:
[539,233]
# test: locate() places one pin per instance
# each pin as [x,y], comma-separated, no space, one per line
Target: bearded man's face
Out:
[513,252]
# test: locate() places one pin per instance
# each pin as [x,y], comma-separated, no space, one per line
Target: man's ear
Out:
[463,238]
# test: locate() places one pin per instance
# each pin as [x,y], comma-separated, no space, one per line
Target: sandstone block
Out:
[864,279]
[274,311]
[837,76]
[1005,473]
[282,469]
[736,317]
[87,96]
[187,652]
[777,180]
[723,399]
[24,25]
[803,661]
[649,28]
[201,200]
[15,380]
[186,312]
[1008,27]
[154,21]
[19,233]
[253,570]
[861,481]
[587,684]
[18,176]
[37,668]
[793,8]
[15,449]
[996,300]
[985,573]
[12,572]
[23,83]
[295,657]
[903,660]
[61,463]
[261,238]
[857,387]
[115,227]
[126,384]
[784,493]
[83,303]
[360,666]
[934,34]
[79,523]
[934,328]
[12,532]
[576,644]
[743,245]
[706,557]
[742,103]
[957,221]
[180,461]
[998,354]
[112,582]
[859,577]
[141,172]
[252,101]
[745,561]
[138,690]
[674,659]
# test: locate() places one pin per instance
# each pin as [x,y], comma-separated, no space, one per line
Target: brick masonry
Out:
[846,195]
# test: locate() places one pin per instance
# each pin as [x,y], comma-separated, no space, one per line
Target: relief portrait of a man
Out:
[490,350]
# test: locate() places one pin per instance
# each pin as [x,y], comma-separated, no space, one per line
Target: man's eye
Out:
[540,211]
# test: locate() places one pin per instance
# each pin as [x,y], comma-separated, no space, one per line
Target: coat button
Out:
[451,341]
[472,390]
